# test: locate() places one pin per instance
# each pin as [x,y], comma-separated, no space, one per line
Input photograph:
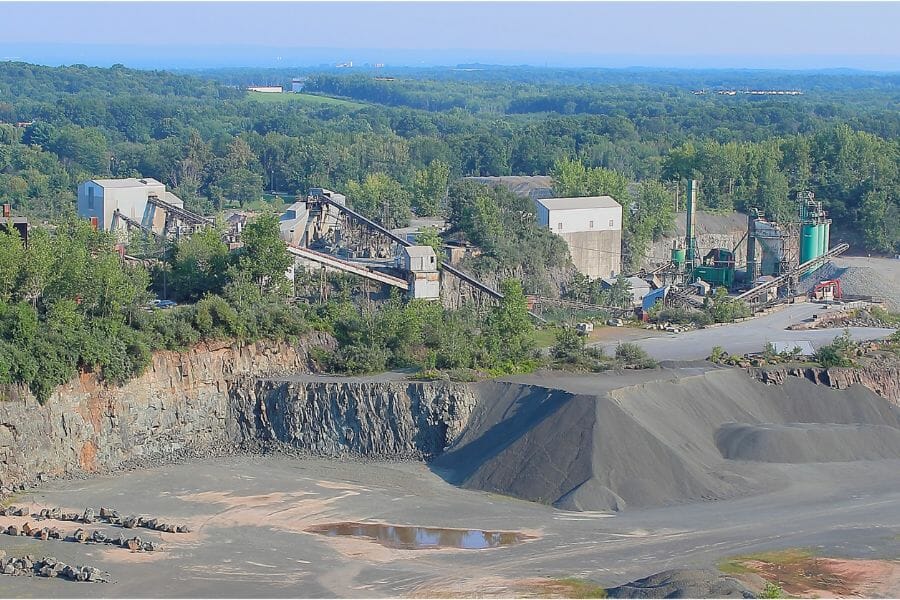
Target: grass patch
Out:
[736,564]
[544,338]
[300,98]
[579,588]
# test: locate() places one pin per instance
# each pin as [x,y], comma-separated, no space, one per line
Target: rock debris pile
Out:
[89,516]
[49,567]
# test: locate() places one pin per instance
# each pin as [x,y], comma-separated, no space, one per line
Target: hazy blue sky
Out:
[754,34]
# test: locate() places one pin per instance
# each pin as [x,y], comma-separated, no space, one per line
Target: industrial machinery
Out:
[717,268]
[827,291]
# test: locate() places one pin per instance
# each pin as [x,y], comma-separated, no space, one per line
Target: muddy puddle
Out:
[417,538]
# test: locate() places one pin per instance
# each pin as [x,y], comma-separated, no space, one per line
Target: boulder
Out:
[43,534]
[55,534]
[182,529]
[105,513]
[98,537]
[28,530]
[12,530]
[129,522]
[88,516]
[133,544]
[80,535]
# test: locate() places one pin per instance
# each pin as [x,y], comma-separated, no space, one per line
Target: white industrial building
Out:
[591,227]
[100,199]
[421,266]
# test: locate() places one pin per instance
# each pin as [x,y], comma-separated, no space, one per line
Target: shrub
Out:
[633,355]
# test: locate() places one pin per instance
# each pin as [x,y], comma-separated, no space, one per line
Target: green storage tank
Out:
[809,242]
[827,236]
[678,256]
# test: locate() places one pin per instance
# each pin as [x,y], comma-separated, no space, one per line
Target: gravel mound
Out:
[659,442]
[876,277]
[807,442]
[683,583]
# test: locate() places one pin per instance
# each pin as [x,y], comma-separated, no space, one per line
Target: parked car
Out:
[163,304]
[615,322]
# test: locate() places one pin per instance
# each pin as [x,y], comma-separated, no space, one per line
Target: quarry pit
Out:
[605,478]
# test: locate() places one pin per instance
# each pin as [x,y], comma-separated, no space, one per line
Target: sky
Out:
[859,35]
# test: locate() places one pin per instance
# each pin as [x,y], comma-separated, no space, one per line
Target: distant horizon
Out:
[666,35]
[201,57]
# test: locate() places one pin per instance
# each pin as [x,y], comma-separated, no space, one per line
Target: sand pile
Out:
[664,441]
[683,583]
[807,442]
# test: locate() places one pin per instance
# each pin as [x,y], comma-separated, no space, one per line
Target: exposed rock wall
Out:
[396,419]
[181,401]
[883,380]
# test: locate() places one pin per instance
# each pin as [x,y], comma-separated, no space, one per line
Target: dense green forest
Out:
[68,303]
[409,137]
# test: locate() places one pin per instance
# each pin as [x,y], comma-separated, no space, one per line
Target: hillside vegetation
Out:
[217,146]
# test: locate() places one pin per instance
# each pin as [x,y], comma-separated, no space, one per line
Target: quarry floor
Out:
[248,516]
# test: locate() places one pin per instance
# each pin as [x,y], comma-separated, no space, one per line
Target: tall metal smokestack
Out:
[690,243]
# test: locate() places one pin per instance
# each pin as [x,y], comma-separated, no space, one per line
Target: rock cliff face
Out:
[883,380]
[396,419]
[216,397]
[180,402]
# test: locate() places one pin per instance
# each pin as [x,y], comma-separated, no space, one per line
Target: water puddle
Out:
[417,538]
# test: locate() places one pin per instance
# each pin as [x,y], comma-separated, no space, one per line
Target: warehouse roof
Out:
[574,203]
[424,251]
[128,182]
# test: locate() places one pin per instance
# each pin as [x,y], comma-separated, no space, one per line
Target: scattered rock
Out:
[98,537]
[129,522]
[43,534]
[28,530]
[182,529]
[88,516]
[12,530]
[55,534]
[80,535]
[105,513]
[133,544]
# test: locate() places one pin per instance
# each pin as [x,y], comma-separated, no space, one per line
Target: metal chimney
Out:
[690,243]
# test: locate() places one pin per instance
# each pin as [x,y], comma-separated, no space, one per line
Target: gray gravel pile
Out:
[683,583]
[807,442]
[654,443]
[876,277]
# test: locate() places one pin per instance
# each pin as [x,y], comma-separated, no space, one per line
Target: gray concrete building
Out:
[591,227]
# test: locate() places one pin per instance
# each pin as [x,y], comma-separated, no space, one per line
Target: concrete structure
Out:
[100,198]
[421,266]
[591,227]
[293,223]
[639,288]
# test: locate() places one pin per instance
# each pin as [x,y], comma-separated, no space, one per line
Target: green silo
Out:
[678,256]
[809,242]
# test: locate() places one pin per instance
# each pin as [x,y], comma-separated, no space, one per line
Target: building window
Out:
[90,198]
[559,227]
[610,222]
[592,225]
